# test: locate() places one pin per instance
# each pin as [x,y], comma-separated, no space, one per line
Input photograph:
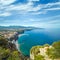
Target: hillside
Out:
[46,52]
[8,50]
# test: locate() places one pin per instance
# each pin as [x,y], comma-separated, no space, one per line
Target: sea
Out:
[37,37]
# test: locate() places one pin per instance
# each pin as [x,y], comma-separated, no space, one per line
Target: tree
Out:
[54,52]
[14,56]
[3,42]
[56,46]
[39,57]
[7,53]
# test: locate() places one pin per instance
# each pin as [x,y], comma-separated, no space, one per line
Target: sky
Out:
[36,13]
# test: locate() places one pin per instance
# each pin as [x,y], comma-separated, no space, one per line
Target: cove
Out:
[37,37]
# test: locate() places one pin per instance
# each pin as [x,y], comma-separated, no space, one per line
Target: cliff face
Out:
[46,52]
[8,42]
[8,50]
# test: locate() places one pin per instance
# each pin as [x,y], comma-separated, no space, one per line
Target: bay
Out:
[37,37]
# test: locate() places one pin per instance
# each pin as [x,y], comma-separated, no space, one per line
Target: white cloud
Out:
[6,2]
[33,0]
[54,9]
[49,24]
[27,8]
[54,22]
[49,6]
[52,4]
[40,12]
[5,14]
[51,18]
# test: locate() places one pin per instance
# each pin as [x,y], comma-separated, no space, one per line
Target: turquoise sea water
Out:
[37,37]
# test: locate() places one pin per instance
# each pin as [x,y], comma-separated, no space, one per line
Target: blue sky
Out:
[37,13]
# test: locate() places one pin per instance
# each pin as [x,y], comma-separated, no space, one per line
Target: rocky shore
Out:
[12,37]
[13,40]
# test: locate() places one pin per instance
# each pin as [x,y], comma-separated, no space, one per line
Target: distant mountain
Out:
[17,27]
[11,27]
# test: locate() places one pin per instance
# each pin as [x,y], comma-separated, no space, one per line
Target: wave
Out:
[23,35]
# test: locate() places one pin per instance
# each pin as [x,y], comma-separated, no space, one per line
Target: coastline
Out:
[17,47]
[17,44]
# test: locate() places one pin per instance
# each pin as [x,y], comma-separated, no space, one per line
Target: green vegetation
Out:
[35,49]
[6,52]
[51,52]
[39,57]
[14,56]
[54,52]
[3,42]
[46,45]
